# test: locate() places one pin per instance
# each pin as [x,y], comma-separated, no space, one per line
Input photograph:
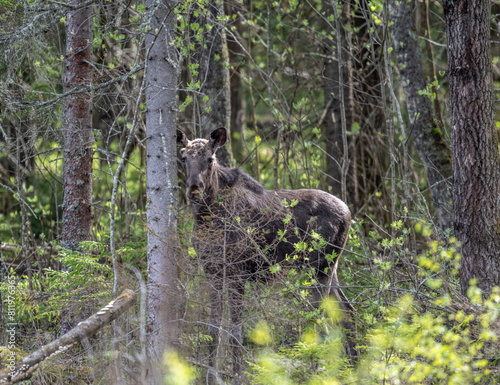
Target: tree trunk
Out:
[427,135]
[338,106]
[476,163]
[215,80]
[237,108]
[78,152]
[162,187]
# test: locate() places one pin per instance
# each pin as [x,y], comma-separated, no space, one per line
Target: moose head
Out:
[200,162]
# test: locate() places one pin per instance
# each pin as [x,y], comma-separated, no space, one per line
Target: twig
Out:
[18,197]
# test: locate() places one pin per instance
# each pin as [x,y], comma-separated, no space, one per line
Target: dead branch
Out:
[13,247]
[24,369]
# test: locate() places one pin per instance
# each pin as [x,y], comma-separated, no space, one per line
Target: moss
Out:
[436,132]
[5,353]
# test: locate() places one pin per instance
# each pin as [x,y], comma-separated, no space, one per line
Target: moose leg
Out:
[236,296]
[329,285]
[348,322]
[320,291]
[215,322]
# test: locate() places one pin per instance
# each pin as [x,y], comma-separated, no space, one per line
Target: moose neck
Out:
[221,179]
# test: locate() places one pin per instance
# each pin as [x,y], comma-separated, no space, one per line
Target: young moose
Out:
[242,230]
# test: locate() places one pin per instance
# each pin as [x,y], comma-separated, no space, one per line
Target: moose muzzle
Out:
[195,188]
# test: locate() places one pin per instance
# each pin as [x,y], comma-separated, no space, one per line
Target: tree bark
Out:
[161,176]
[78,151]
[338,106]
[24,369]
[476,163]
[427,135]
[237,107]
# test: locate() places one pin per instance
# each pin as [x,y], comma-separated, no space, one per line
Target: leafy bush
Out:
[41,299]
[434,336]
[428,336]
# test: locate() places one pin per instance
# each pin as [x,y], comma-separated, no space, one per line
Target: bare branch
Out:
[80,90]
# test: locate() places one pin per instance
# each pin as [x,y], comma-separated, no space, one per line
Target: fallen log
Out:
[24,369]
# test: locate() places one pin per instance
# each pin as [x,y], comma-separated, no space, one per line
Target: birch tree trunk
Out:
[78,151]
[476,163]
[161,176]
[427,135]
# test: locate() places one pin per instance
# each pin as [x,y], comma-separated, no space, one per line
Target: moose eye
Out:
[183,160]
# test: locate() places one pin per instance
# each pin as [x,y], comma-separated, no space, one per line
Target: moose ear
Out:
[218,137]
[181,139]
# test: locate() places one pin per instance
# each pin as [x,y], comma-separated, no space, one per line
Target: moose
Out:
[242,230]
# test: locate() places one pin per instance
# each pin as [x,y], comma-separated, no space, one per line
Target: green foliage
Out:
[401,273]
[178,372]
[312,360]
[449,344]
[445,347]
[429,89]
[452,343]
[81,269]
[85,277]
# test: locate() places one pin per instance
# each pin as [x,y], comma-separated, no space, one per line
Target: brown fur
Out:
[237,223]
